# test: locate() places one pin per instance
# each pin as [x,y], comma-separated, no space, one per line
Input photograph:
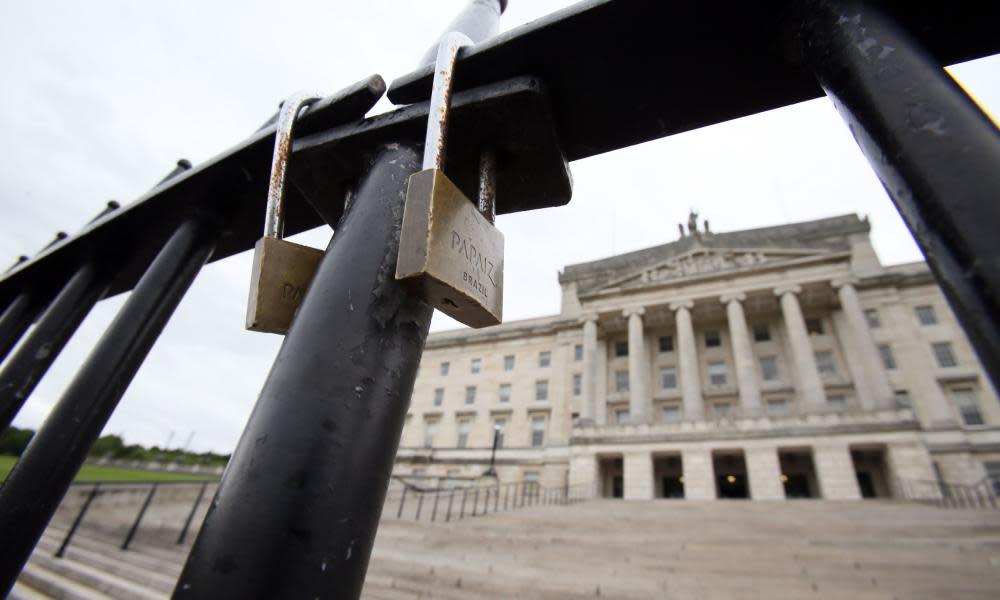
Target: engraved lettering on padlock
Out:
[449,252]
[282,270]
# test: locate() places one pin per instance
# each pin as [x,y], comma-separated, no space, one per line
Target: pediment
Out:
[703,261]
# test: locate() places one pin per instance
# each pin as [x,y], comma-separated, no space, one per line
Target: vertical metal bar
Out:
[138,518]
[349,361]
[434,510]
[40,479]
[451,499]
[14,320]
[402,502]
[496,499]
[475,502]
[420,505]
[190,517]
[79,519]
[57,324]
[506,492]
[461,513]
[932,147]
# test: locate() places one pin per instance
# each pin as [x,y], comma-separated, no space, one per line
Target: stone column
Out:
[910,462]
[639,400]
[688,361]
[810,385]
[746,364]
[584,473]
[699,474]
[638,474]
[589,375]
[878,380]
[835,472]
[601,384]
[764,472]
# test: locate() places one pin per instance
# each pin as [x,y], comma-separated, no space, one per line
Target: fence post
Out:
[402,501]
[461,514]
[434,510]
[451,498]
[79,518]
[420,505]
[190,517]
[138,517]
[475,502]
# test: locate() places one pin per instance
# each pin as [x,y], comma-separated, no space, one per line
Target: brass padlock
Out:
[450,253]
[282,270]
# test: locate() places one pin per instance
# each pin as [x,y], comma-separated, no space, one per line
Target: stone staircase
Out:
[613,549]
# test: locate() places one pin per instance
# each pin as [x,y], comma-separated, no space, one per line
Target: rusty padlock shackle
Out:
[274,218]
[437,126]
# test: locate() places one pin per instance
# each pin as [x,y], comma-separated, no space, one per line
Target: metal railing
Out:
[447,503]
[982,494]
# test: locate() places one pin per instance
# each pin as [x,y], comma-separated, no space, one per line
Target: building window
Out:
[888,360]
[499,429]
[438,396]
[621,381]
[968,406]
[578,352]
[668,378]
[508,362]
[621,348]
[717,373]
[470,394]
[671,413]
[666,343]
[837,402]
[926,315]
[769,368]
[825,364]
[871,315]
[722,410]
[761,333]
[944,355]
[903,399]
[577,384]
[621,416]
[430,430]
[537,431]
[464,425]
[504,393]
[476,365]
[544,358]
[814,326]
[777,407]
[444,368]
[542,390]
[713,339]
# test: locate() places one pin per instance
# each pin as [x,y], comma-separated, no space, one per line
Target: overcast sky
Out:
[99,99]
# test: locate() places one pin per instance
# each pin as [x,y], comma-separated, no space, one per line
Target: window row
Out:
[536,437]
[544,360]
[926,315]
[505,391]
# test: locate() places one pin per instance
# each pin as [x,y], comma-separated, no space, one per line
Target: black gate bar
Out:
[15,320]
[296,511]
[56,325]
[41,477]
[936,153]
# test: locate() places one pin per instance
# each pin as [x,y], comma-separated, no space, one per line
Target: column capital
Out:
[589,317]
[679,304]
[633,310]
[732,296]
[840,282]
[787,288]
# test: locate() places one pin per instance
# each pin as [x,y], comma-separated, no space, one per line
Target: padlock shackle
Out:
[444,71]
[274,219]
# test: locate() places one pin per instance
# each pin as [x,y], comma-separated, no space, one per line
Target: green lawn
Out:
[91,473]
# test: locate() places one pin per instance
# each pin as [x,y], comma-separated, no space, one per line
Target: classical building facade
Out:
[770,363]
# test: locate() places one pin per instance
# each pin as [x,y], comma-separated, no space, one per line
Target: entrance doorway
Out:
[730,469]
[668,476]
[611,473]
[871,471]
[798,474]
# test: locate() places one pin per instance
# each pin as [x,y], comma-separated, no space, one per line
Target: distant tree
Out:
[107,445]
[13,441]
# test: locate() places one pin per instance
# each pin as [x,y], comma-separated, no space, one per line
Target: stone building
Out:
[769,363]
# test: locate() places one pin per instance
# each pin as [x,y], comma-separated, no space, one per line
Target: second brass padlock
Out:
[282,270]
[450,253]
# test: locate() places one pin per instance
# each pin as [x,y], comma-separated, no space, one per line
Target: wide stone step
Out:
[21,591]
[94,579]
[111,562]
[57,586]
[138,557]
